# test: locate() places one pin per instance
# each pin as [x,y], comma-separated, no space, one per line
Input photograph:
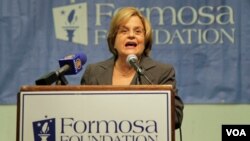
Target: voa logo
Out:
[236,132]
[71,23]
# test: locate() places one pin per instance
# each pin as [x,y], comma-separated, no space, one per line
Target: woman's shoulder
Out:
[149,62]
[105,63]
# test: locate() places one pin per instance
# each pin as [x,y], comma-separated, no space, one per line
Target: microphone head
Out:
[75,62]
[131,58]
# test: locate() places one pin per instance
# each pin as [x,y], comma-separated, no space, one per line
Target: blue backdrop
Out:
[207,41]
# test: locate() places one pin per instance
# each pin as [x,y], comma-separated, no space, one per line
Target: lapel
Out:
[147,63]
[105,77]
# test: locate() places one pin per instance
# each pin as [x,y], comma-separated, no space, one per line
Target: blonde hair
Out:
[122,16]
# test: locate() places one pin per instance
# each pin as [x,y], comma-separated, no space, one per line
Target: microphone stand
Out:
[61,80]
[52,77]
[138,78]
[141,73]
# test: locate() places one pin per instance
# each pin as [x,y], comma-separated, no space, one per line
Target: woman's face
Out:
[130,38]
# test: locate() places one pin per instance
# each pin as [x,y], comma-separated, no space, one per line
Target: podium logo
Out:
[236,132]
[44,130]
[71,23]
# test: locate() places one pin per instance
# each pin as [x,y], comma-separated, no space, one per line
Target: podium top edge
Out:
[93,87]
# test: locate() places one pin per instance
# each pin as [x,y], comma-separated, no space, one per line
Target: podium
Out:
[96,113]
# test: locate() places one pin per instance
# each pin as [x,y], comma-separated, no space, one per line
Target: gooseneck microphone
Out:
[69,65]
[132,60]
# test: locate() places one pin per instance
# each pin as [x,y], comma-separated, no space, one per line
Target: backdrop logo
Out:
[71,23]
[44,130]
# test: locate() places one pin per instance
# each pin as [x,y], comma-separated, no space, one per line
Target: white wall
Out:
[201,122]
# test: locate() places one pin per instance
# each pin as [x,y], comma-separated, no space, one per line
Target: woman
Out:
[130,33]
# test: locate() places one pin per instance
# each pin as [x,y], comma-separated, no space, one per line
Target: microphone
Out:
[69,65]
[132,61]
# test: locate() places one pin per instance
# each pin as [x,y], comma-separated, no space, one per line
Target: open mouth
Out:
[131,44]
